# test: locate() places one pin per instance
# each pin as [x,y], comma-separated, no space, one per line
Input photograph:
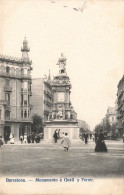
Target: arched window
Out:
[13,71]
[7,69]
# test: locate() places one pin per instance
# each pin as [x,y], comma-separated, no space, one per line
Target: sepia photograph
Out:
[62,97]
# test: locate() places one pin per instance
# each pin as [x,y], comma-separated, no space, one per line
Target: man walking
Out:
[66,142]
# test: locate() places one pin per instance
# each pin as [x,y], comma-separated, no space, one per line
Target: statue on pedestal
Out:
[62,64]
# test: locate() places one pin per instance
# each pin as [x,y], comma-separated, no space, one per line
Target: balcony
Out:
[30,93]
[7,88]
[26,120]
[7,118]
[3,102]
[25,76]
[9,75]
[31,106]
[27,106]
[120,116]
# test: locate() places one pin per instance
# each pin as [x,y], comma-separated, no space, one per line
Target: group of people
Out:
[86,136]
[99,140]
[30,138]
[97,137]
[64,139]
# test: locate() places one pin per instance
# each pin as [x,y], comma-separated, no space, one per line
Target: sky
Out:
[92,40]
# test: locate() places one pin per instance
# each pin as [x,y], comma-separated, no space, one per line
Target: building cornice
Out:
[14,60]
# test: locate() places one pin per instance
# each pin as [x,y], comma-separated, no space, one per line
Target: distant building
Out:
[42,97]
[111,115]
[15,93]
[120,108]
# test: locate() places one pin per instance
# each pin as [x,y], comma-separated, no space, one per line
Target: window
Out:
[25,114]
[22,113]
[7,114]
[25,85]
[25,71]
[7,97]
[25,100]
[29,87]
[28,99]
[0,113]
[112,118]
[7,69]
[7,82]
[21,99]
[61,97]
[28,113]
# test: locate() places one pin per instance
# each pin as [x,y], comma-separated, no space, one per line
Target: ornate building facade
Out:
[15,94]
[111,115]
[62,115]
[42,97]
[120,107]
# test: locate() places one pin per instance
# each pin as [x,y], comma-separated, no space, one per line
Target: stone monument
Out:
[62,118]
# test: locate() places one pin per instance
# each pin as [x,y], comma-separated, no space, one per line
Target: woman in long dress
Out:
[11,138]
[100,144]
[66,142]
[25,138]
[1,140]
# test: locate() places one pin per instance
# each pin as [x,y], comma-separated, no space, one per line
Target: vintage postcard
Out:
[62,97]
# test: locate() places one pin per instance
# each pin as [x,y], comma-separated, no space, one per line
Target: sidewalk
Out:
[111,144]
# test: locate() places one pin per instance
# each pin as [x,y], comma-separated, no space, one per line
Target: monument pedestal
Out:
[70,127]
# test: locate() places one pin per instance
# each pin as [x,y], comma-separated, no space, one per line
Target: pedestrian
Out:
[25,138]
[6,137]
[11,138]
[66,142]
[96,136]
[1,140]
[21,138]
[93,138]
[59,134]
[123,137]
[38,138]
[32,137]
[35,138]
[100,144]
[86,138]
[55,136]
[29,139]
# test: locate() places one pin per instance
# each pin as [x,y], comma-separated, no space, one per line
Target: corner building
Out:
[120,107]
[15,94]
[62,116]
[42,97]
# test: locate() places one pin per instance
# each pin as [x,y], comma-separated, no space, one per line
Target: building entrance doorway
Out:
[7,131]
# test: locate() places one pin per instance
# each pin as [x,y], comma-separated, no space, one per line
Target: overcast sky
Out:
[92,41]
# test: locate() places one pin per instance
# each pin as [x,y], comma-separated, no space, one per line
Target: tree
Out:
[37,125]
[98,128]
[107,127]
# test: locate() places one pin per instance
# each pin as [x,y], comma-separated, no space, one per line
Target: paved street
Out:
[49,159]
